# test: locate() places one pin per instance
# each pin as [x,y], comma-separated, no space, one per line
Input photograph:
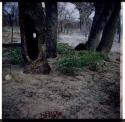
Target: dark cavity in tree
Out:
[31,42]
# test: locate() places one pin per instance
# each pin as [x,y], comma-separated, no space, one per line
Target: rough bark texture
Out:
[51,28]
[102,14]
[119,27]
[109,31]
[81,18]
[32,21]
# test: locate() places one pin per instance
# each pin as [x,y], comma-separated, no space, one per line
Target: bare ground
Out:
[87,95]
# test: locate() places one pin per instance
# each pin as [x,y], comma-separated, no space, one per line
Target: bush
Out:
[15,56]
[97,66]
[74,61]
[68,65]
[63,48]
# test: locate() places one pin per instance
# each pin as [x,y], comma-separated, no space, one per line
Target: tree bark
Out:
[102,14]
[119,27]
[80,20]
[109,31]
[61,26]
[51,28]
[32,21]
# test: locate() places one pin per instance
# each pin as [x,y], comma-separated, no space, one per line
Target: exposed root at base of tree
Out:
[38,68]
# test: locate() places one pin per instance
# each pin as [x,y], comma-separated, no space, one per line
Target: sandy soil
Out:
[87,95]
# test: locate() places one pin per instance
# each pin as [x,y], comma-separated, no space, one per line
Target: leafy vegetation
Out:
[15,56]
[63,48]
[73,61]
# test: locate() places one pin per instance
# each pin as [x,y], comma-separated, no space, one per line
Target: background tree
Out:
[85,10]
[67,17]
[10,8]
[102,14]
[32,28]
[51,28]
[109,31]
[61,9]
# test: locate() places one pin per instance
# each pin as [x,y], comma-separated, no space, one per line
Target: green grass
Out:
[70,62]
[14,55]
[73,61]
[63,48]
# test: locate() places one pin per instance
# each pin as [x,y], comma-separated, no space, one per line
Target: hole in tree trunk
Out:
[31,39]
[34,35]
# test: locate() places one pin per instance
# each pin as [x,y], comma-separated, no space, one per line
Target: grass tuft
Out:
[15,56]
[73,61]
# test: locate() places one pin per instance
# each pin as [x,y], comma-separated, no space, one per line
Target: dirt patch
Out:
[87,95]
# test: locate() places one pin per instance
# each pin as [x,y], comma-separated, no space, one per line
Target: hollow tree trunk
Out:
[102,14]
[32,22]
[109,31]
[51,28]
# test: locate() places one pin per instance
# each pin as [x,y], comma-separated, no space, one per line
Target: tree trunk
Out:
[80,22]
[32,22]
[109,31]
[51,28]
[102,14]
[61,26]
[119,28]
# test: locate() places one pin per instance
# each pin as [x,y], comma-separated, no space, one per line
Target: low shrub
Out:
[63,48]
[68,65]
[15,56]
[74,61]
